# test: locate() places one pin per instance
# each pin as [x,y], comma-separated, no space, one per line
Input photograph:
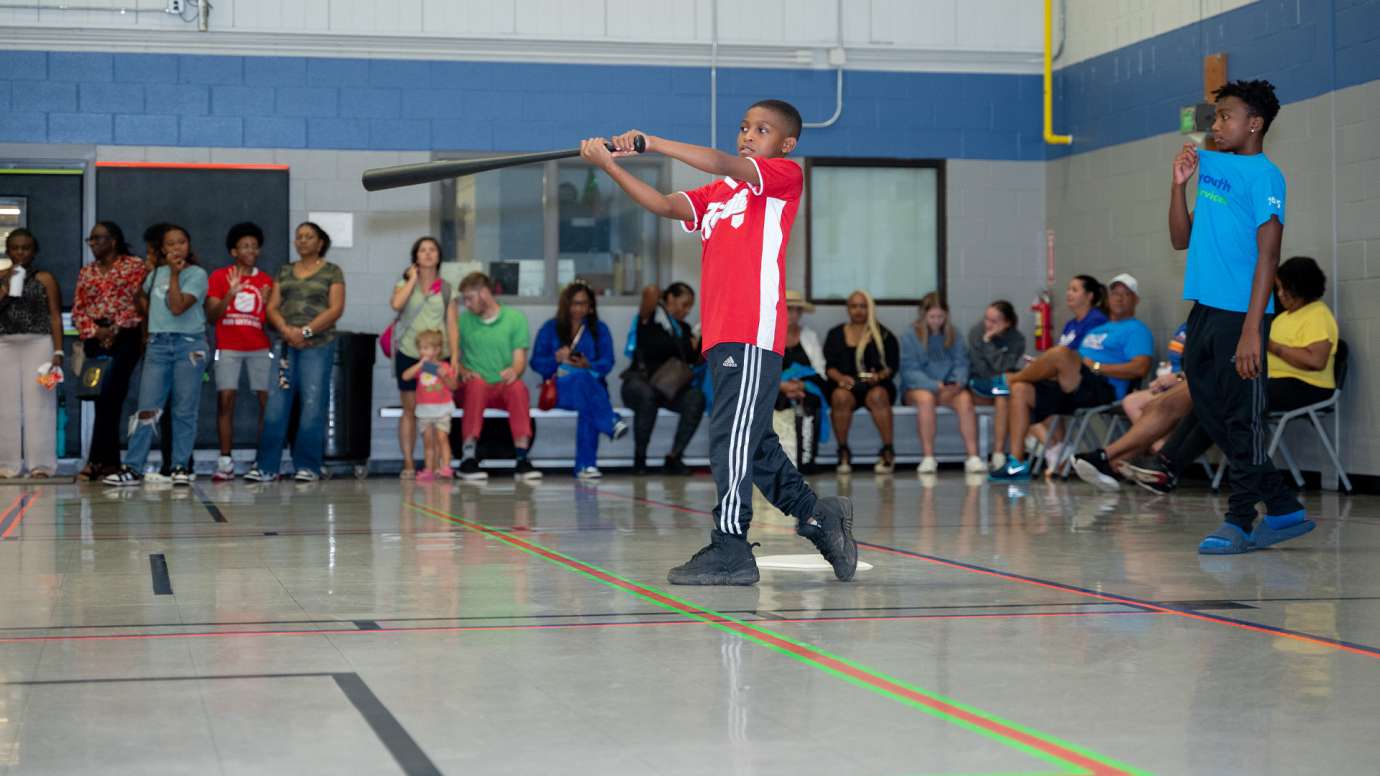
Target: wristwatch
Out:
[1097,367]
[307,333]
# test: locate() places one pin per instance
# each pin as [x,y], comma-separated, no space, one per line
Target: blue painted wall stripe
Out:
[1135,92]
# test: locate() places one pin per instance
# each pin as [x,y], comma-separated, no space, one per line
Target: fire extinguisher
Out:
[1044,321]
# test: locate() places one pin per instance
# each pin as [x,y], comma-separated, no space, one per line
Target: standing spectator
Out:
[107,313]
[661,334]
[436,386]
[798,419]
[153,243]
[934,373]
[493,356]
[307,299]
[30,339]
[995,347]
[576,350]
[237,302]
[175,361]
[861,357]
[422,300]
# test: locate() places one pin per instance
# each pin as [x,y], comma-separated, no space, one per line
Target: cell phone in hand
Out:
[431,367]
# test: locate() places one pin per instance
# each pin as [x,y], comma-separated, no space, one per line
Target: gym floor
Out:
[378,626]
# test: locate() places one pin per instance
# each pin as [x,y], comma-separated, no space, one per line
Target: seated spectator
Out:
[995,347]
[307,299]
[237,302]
[436,386]
[798,419]
[861,357]
[1300,359]
[661,342]
[174,362]
[1111,359]
[934,372]
[493,356]
[1153,412]
[107,314]
[422,302]
[576,350]
[30,339]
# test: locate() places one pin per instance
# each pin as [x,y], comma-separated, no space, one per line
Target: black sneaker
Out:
[726,560]
[124,478]
[1094,469]
[469,470]
[831,532]
[1153,474]
[525,471]
[675,467]
[181,475]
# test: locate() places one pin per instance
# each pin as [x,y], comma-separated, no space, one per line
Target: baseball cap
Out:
[1125,279]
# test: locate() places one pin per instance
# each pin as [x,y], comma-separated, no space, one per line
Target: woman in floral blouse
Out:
[106,313]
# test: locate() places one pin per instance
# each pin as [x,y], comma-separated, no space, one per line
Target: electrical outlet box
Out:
[175,6]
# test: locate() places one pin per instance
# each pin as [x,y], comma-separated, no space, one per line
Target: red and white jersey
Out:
[744,229]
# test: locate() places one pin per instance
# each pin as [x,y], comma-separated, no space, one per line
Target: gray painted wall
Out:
[1109,210]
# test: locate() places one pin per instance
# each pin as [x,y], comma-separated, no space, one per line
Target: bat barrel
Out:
[428,172]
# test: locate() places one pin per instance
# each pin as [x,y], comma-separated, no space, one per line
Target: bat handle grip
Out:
[639,144]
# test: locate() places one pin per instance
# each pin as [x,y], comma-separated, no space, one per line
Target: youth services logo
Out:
[1275,202]
[732,209]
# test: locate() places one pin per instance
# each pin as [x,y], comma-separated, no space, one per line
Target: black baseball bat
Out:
[428,172]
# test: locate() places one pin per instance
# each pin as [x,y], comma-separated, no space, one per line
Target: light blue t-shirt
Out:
[1236,195]
[1076,328]
[193,281]
[1117,342]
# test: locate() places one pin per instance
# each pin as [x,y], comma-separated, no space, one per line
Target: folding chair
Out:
[1277,422]
[1082,432]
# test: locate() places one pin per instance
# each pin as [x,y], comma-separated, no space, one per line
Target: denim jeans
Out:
[581,392]
[308,377]
[173,363]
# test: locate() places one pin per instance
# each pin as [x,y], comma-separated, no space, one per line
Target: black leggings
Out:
[644,400]
[124,352]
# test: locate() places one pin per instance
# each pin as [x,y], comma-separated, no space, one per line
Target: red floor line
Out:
[541,626]
[18,517]
[1241,624]
[832,664]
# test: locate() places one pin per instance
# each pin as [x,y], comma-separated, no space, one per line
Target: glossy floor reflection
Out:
[375,627]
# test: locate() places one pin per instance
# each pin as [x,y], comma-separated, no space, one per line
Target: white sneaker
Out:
[590,473]
[155,477]
[225,469]
[255,474]
[183,476]
[306,475]
[974,465]
[998,461]
[620,430]
[928,465]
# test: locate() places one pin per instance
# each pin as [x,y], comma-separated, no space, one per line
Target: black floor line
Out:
[1128,600]
[391,733]
[158,569]
[216,514]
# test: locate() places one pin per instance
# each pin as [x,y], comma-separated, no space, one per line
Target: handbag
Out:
[404,321]
[548,396]
[669,378]
[94,371]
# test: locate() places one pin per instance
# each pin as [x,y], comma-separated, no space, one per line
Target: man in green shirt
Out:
[493,356]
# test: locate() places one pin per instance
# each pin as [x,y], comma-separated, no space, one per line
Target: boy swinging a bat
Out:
[744,220]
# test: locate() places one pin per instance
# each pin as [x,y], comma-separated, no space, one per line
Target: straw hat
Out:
[797,299]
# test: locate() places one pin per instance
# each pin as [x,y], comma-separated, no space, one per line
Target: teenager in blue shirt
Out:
[1087,300]
[1112,358]
[576,348]
[1233,238]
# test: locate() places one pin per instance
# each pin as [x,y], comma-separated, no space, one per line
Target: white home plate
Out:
[800,563]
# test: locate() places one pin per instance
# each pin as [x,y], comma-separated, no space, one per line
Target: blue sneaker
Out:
[1015,470]
[999,386]
[1278,528]
[1228,539]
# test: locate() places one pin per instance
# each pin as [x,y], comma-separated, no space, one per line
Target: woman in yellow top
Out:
[1303,338]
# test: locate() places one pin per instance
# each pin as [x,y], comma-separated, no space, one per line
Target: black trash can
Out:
[350,403]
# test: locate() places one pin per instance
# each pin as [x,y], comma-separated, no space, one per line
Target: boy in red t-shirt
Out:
[744,219]
[236,301]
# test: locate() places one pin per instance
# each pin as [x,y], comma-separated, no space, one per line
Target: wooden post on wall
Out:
[1214,78]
